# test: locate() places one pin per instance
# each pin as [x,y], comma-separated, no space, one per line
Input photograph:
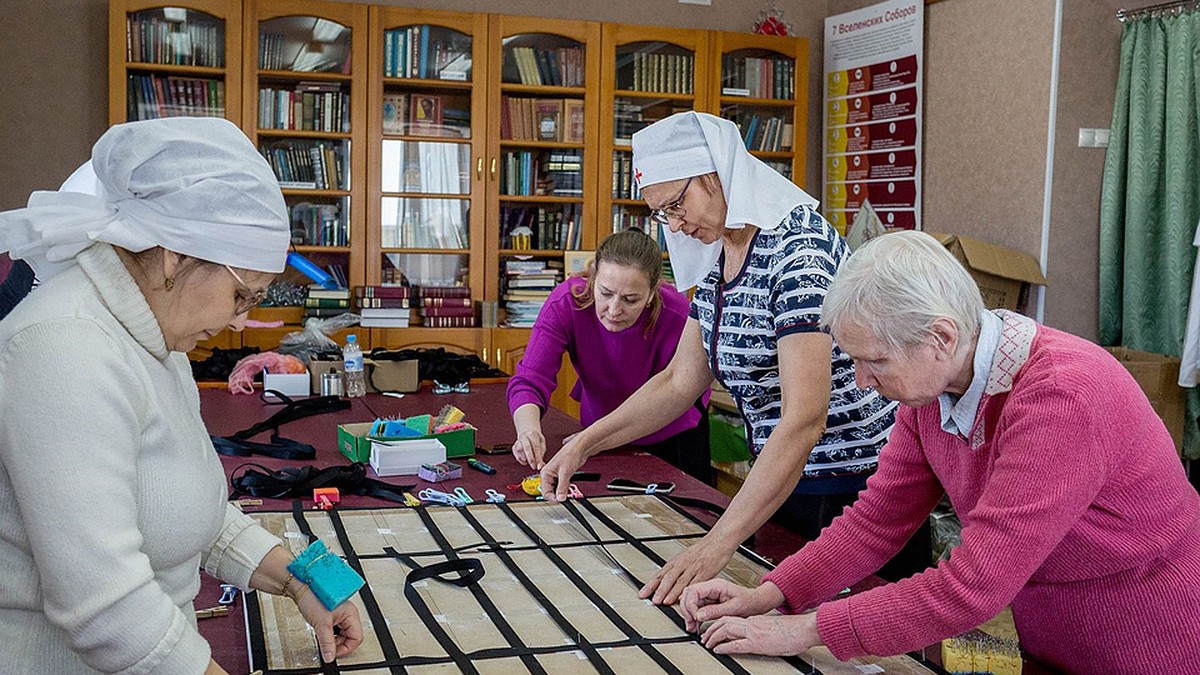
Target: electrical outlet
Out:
[1093,138]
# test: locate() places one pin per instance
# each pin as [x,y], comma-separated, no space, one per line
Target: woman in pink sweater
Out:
[620,324]
[1075,509]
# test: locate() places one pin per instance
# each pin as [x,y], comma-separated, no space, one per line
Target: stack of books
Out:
[527,285]
[326,302]
[447,307]
[384,306]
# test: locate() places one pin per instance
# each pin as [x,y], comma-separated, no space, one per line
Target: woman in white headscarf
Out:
[111,495]
[760,257]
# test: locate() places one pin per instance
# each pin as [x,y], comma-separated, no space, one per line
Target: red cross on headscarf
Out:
[637,174]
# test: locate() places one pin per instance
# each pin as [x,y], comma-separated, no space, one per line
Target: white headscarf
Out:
[692,144]
[195,186]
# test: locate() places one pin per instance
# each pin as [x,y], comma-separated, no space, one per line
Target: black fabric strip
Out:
[386,644]
[730,664]
[302,520]
[418,603]
[257,641]
[513,548]
[613,616]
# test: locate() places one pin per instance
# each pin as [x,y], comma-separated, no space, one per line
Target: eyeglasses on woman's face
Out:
[671,210]
[247,298]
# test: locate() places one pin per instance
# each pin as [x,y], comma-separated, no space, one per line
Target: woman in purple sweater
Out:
[620,324]
[1075,509]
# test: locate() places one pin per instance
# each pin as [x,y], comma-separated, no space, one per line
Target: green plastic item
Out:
[726,439]
[419,423]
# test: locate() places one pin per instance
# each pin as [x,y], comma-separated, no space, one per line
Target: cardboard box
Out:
[1004,274]
[354,443]
[404,458]
[288,384]
[1158,376]
[382,375]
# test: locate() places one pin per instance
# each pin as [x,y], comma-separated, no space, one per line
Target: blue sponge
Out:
[329,577]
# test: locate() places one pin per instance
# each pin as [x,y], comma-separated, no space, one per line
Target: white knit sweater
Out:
[111,495]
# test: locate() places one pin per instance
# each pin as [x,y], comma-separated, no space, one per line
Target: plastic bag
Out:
[314,339]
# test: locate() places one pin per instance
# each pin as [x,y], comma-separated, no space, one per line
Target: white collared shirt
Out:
[958,413]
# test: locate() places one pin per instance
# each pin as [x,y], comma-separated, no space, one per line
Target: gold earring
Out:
[169,283]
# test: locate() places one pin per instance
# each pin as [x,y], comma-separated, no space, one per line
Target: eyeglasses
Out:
[672,210]
[247,299]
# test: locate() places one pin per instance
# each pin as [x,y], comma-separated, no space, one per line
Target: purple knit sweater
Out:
[1075,511]
[611,366]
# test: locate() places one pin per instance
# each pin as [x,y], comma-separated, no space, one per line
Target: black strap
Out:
[386,644]
[300,481]
[239,444]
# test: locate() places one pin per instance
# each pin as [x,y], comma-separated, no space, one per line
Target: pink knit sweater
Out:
[1075,511]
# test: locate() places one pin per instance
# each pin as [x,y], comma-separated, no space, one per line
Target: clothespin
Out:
[651,488]
[325,498]
[494,497]
[228,594]
[573,492]
[439,497]
[462,494]
[410,500]
[219,610]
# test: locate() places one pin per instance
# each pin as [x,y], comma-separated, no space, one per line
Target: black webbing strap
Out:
[300,481]
[600,603]
[382,633]
[239,444]
[727,661]
[330,668]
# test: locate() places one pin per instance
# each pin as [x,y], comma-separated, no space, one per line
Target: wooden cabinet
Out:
[172,61]
[507,350]
[415,144]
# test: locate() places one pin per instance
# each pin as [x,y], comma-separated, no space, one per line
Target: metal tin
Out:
[332,384]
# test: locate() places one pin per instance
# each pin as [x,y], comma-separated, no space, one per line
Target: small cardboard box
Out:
[382,375]
[1004,274]
[354,443]
[1158,376]
[404,458]
[288,384]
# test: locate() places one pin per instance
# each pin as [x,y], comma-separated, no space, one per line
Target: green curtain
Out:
[1150,200]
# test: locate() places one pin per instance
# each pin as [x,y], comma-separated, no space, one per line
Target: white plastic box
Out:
[405,457]
[289,384]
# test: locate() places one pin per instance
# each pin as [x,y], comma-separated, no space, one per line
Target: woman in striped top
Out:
[761,258]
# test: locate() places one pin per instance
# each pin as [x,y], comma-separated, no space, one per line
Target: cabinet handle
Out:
[493,168]
[479,169]
[497,357]
[484,350]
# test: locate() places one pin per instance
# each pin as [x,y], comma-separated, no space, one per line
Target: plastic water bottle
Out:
[352,362]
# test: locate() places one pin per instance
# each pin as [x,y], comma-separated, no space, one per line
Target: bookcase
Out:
[449,148]
[172,61]
[648,73]
[305,90]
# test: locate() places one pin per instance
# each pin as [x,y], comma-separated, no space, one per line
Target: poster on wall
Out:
[873,97]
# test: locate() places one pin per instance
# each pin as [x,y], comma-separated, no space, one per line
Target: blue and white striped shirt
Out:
[778,292]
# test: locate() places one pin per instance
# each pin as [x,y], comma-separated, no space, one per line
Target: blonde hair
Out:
[628,248]
[897,285]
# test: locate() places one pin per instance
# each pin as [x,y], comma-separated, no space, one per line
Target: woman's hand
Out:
[530,448]
[344,617]
[701,561]
[556,475]
[719,598]
[779,635]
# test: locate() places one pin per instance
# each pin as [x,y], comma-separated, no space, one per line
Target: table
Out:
[487,409]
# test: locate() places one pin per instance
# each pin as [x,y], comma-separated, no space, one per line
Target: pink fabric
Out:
[241,380]
[1075,510]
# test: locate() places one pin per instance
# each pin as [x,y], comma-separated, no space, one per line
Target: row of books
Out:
[304,164]
[423,115]
[783,167]
[758,77]
[541,119]
[529,173]
[626,220]
[537,228]
[407,52]
[765,133]
[631,116]
[151,97]
[525,287]
[666,73]
[332,57]
[623,184]
[319,225]
[156,40]
[310,106]
[560,67]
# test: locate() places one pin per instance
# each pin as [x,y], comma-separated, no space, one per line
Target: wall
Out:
[45,54]
[1087,82]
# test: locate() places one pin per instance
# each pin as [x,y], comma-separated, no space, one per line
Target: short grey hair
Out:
[897,285]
